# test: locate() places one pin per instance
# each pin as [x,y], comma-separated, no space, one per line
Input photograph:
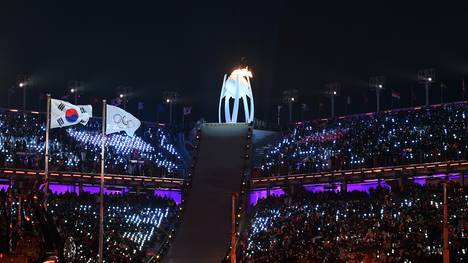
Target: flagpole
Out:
[446,250]
[233,227]
[46,155]
[101,193]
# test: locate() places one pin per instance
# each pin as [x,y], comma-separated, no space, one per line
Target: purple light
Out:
[261,193]
[3,187]
[422,179]
[62,188]
[173,194]
[96,189]
[276,191]
[365,187]
[258,194]
[315,188]
[92,189]
[439,175]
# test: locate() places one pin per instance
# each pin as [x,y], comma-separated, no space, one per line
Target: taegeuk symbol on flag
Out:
[64,114]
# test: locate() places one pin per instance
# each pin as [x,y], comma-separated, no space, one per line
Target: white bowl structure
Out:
[237,87]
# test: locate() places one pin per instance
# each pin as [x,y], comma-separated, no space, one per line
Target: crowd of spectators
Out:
[135,226]
[379,226]
[398,137]
[151,152]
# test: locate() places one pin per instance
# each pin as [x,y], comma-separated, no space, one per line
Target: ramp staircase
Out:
[204,234]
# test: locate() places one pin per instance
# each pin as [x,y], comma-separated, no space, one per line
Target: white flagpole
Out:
[101,195]
[46,155]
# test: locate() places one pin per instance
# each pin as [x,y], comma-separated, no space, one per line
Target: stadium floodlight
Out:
[426,77]
[75,88]
[289,97]
[124,93]
[377,83]
[170,97]
[237,86]
[332,90]
[23,82]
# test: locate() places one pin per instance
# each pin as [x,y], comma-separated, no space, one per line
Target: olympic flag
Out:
[114,119]
[119,120]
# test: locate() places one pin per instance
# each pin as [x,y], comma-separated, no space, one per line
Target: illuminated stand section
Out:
[237,87]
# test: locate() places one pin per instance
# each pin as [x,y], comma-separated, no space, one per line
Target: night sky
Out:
[188,46]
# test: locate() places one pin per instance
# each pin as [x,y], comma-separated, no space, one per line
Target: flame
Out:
[242,72]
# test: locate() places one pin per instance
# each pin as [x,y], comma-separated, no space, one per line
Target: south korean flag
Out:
[64,114]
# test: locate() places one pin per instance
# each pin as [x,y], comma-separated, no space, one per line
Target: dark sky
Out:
[188,46]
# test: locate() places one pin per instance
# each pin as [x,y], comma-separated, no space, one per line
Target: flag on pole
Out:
[119,120]
[187,110]
[64,114]
[395,95]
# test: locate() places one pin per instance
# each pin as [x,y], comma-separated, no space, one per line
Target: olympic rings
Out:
[119,119]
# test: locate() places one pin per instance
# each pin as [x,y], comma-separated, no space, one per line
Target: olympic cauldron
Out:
[236,86]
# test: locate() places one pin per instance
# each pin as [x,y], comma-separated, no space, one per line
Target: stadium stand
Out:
[152,152]
[382,225]
[418,135]
[332,224]
[135,226]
